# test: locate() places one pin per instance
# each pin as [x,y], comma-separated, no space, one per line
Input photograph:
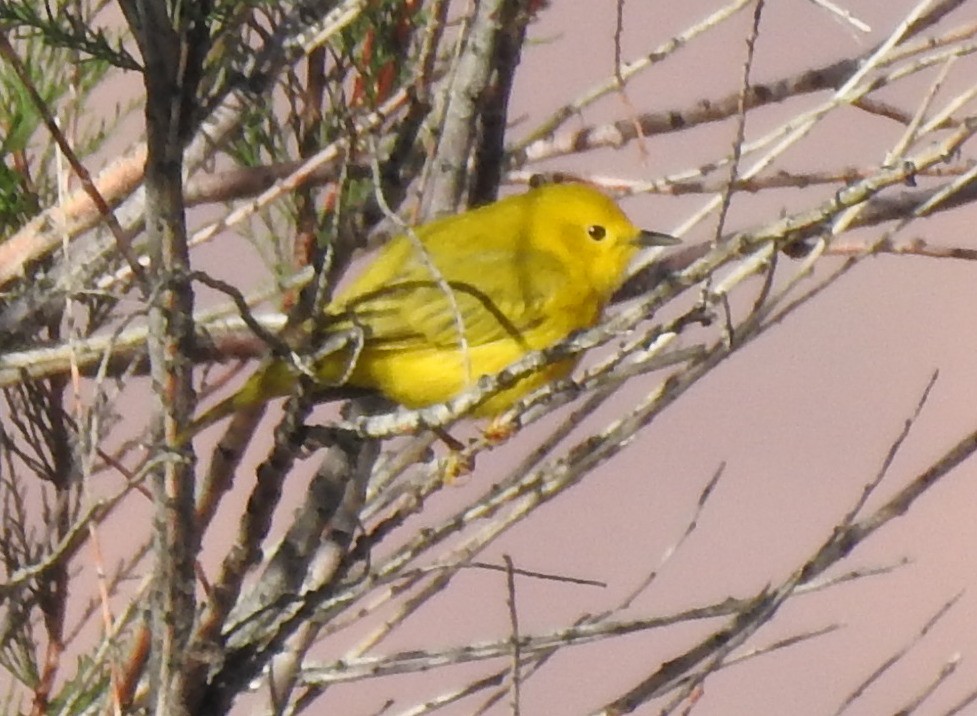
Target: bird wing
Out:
[490,295]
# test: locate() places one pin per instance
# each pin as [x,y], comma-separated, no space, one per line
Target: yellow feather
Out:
[467,295]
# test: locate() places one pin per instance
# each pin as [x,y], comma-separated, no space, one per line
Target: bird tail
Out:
[267,382]
[214,414]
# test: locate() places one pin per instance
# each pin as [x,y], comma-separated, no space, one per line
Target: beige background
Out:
[803,419]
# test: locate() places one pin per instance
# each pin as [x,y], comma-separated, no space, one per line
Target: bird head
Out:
[589,233]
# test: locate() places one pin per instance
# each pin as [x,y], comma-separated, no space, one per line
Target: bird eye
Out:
[596,232]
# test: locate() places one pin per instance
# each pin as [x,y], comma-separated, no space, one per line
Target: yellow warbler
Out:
[467,295]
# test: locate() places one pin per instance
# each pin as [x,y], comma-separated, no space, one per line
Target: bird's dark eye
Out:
[596,232]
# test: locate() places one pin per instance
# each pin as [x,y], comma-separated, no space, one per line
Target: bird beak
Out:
[647,239]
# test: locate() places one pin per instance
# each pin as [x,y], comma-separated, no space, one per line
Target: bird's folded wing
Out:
[491,296]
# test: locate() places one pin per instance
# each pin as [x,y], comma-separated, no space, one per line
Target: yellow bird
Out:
[467,295]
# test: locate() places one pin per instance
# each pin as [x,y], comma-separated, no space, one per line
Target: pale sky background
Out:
[803,418]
